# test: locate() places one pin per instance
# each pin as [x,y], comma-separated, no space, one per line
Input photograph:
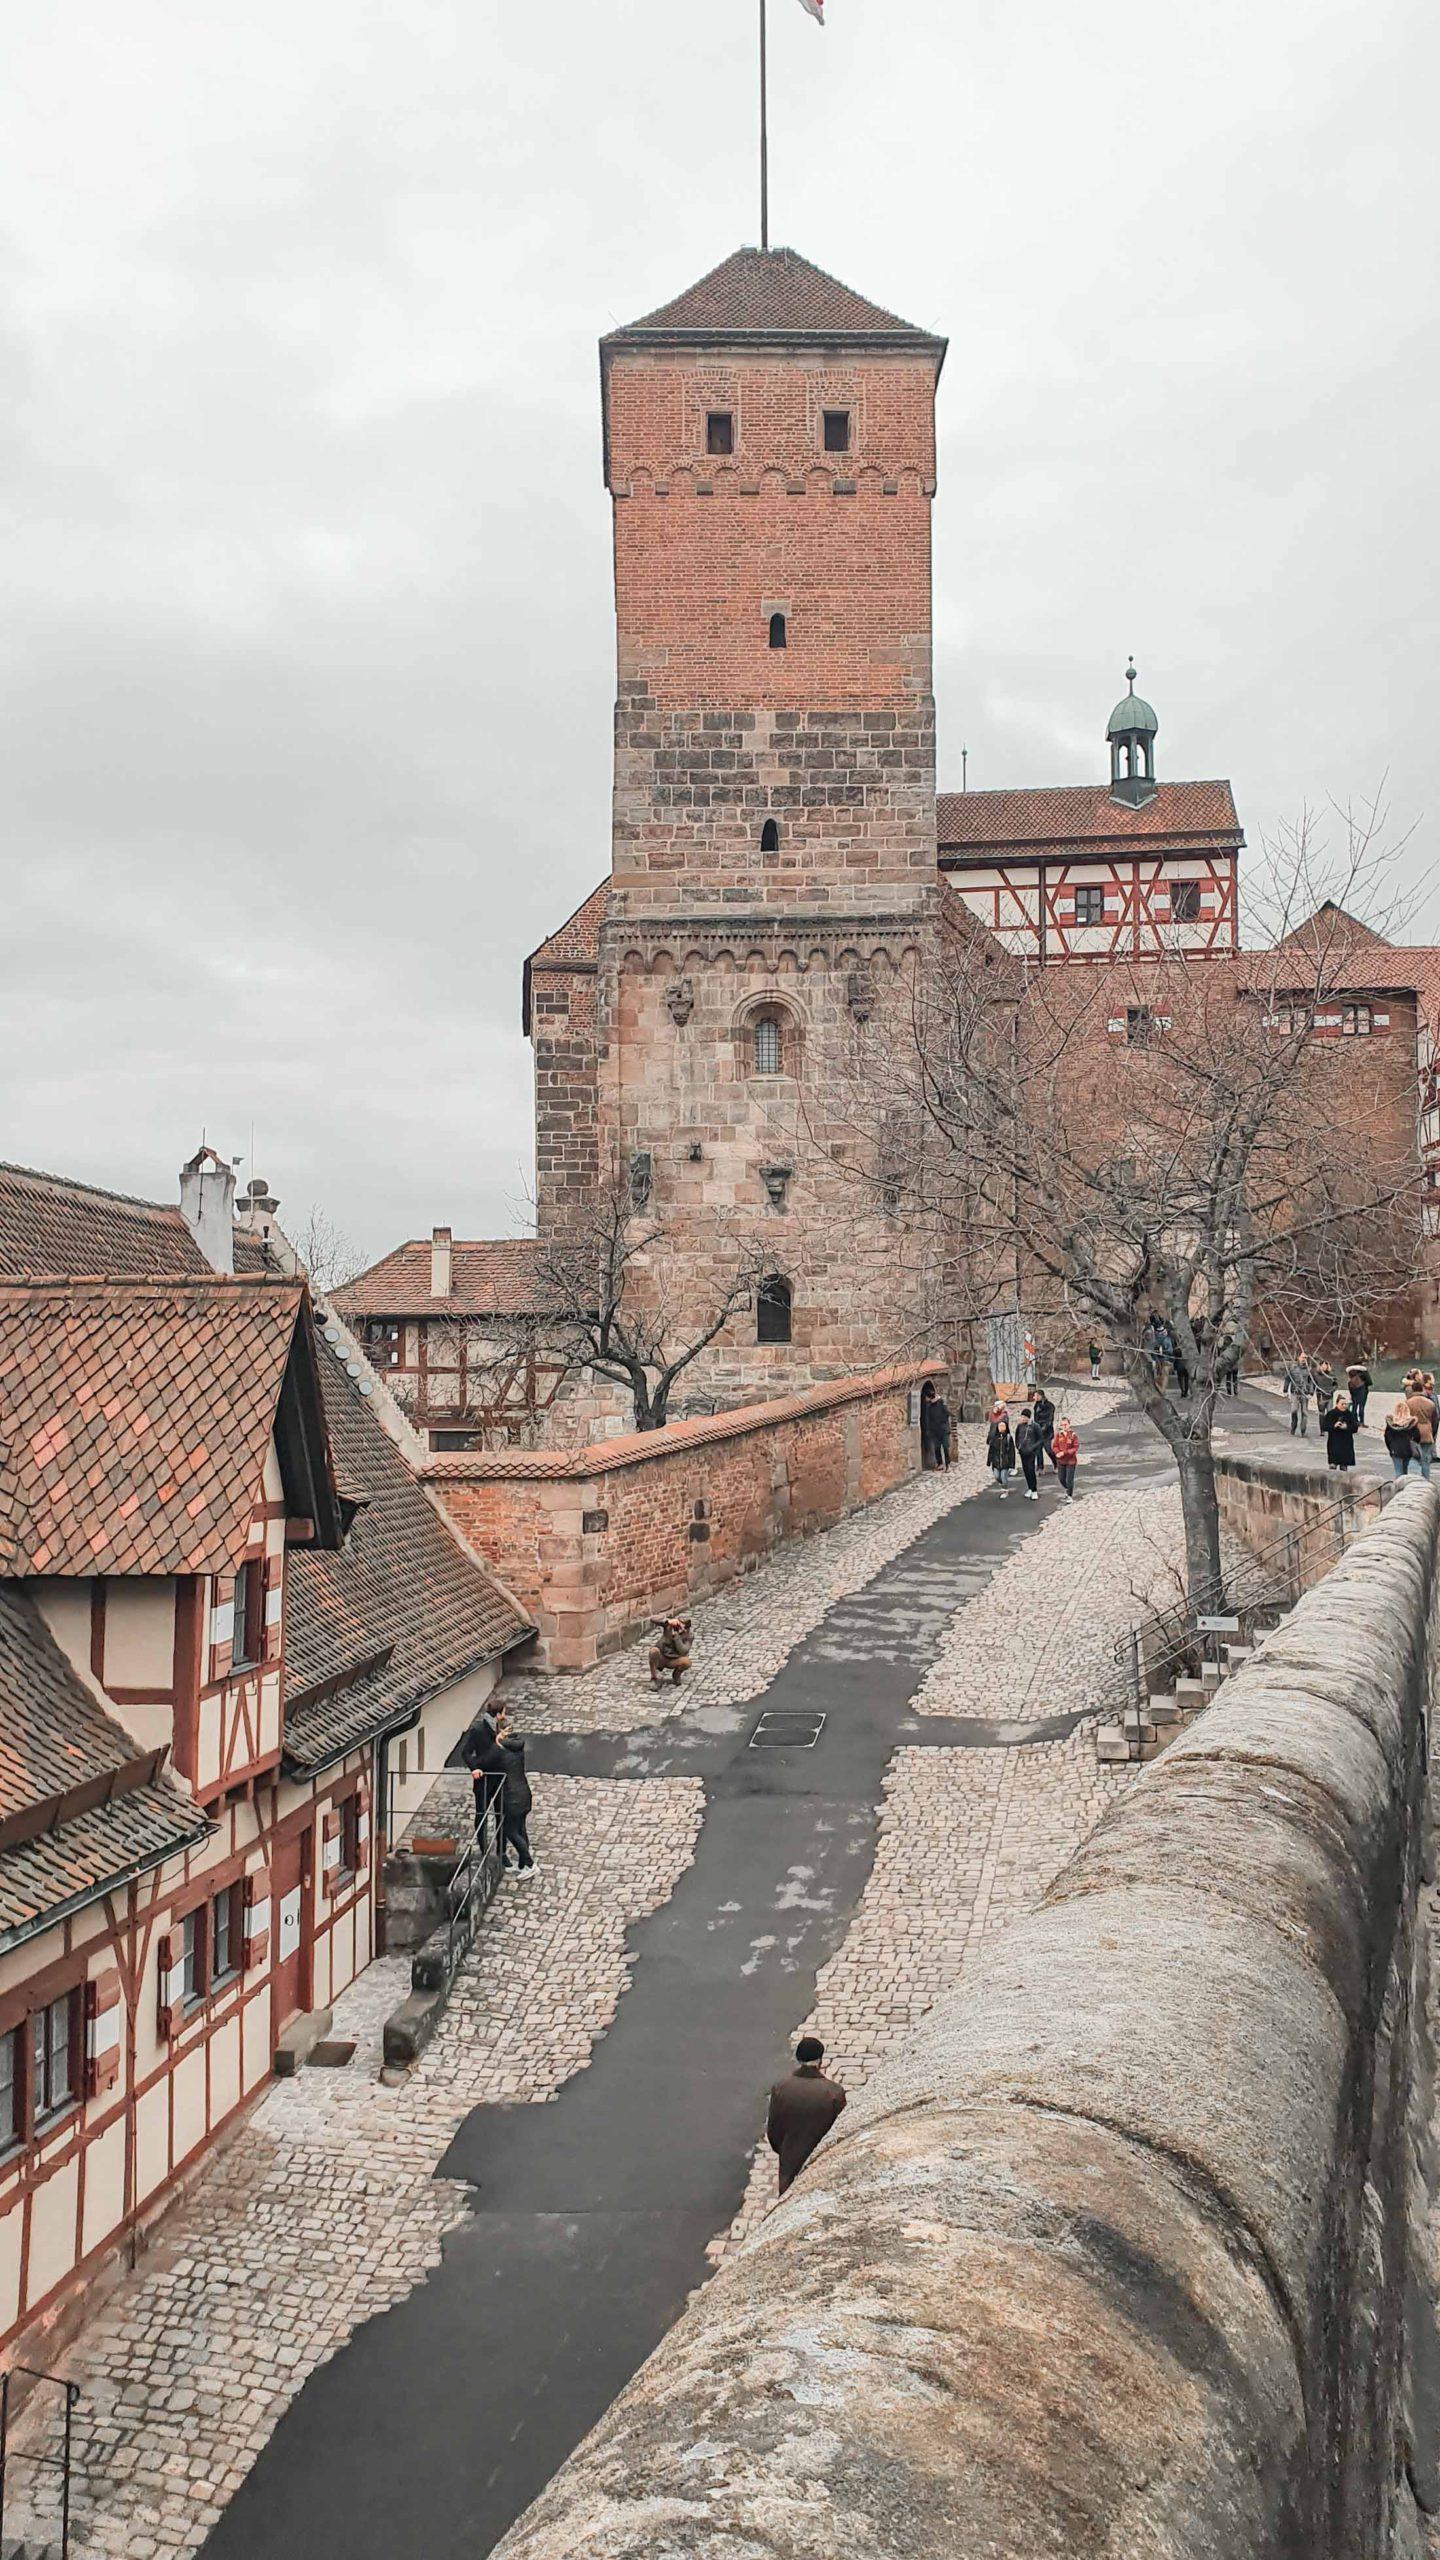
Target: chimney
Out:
[207,1205]
[442,1256]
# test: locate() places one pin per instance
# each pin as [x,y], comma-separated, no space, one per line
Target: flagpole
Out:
[764,139]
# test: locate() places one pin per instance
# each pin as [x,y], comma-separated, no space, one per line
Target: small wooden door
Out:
[290,1875]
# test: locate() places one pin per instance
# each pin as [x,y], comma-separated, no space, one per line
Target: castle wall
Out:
[598,1542]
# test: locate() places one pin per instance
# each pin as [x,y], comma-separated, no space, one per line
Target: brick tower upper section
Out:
[770,452]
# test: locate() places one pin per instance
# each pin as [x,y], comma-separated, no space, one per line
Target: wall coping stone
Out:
[642,1448]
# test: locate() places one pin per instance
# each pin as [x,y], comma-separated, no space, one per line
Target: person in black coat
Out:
[1030,1450]
[1044,1414]
[517,1804]
[1338,1424]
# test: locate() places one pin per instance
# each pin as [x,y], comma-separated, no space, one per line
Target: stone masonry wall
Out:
[1113,2259]
[681,1093]
[599,1541]
[1302,1522]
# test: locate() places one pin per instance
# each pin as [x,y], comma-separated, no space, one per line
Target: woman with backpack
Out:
[1400,1439]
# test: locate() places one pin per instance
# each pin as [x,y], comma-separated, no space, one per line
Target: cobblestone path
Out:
[938,1633]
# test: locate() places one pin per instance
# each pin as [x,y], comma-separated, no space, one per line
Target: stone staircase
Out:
[1175,1696]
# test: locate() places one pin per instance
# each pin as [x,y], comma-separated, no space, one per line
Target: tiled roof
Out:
[54,1735]
[50,1227]
[83,1858]
[402,1581]
[134,1420]
[487,1279]
[985,823]
[59,1750]
[772,293]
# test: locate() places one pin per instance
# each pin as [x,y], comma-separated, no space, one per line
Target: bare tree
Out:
[1162,1143]
[608,1298]
[329,1257]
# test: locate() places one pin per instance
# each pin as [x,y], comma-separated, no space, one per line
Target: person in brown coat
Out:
[670,1658]
[803,2107]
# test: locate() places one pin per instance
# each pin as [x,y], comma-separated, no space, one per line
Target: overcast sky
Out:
[305,642]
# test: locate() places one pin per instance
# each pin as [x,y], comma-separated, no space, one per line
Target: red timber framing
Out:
[1099,906]
[159,2070]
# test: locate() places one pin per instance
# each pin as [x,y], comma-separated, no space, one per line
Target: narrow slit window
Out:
[770,836]
[779,636]
[720,431]
[773,1310]
[768,1047]
[837,430]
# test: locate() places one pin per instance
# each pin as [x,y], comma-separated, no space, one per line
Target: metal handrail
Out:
[472,1885]
[1252,1583]
[60,2461]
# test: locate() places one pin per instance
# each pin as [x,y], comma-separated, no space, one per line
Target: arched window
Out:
[772,1310]
[768,1045]
[778,633]
[770,836]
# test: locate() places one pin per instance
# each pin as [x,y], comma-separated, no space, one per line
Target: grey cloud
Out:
[305,652]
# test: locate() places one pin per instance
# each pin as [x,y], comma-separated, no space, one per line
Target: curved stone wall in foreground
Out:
[1114,2261]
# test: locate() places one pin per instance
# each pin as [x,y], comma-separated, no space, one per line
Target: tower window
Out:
[772,1310]
[1139,1026]
[837,430]
[1184,901]
[1357,1022]
[770,836]
[768,1045]
[1090,905]
[720,431]
[779,637]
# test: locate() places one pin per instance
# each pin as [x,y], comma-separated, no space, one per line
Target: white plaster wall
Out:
[139,1633]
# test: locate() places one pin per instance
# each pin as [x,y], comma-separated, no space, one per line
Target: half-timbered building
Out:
[225,1608]
[444,1325]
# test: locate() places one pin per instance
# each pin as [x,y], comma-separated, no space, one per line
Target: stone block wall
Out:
[599,1541]
[1297,1519]
[1114,2259]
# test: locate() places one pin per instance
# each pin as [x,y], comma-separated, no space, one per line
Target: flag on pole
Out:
[816,9]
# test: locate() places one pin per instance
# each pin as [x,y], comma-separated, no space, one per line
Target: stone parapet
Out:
[1114,2260]
[600,1541]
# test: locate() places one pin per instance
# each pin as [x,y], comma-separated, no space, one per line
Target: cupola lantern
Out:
[1130,733]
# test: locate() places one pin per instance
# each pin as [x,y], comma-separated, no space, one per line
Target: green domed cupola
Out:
[1130,732]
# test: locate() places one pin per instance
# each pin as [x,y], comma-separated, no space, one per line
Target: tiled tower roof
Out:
[772,293]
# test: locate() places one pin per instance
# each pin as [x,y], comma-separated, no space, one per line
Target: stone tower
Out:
[770,456]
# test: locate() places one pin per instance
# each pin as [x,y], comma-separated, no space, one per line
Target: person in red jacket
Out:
[1066,1451]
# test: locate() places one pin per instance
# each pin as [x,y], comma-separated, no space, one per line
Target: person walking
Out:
[1065,1449]
[1400,1439]
[803,2107]
[1299,1387]
[1324,1378]
[940,1432]
[1044,1413]
[1030,1449]
[1359,1382]
[1423,1415]
[1338,1424]
[1000,1450]
[517,1804]
[1096,1359]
